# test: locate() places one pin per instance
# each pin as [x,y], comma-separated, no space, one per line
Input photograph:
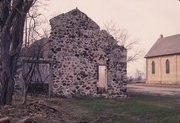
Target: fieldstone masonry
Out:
[79,46]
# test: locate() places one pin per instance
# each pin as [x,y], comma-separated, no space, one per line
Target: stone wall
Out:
[79,46]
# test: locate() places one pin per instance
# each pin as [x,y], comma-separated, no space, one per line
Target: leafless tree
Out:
[124,39]
[18,27]
[12,20]
[139,75]
[33,24]
[29,69]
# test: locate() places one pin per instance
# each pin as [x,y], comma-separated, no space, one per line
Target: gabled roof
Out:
[165,46]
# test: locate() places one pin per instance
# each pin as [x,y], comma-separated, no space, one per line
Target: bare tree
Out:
[29,69]
[124,39]
[33,49]
[33,25]
[139,75]
[12,20]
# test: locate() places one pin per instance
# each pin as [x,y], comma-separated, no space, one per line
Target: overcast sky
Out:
[144,19]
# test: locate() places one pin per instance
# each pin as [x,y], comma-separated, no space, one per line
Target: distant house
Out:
[163,61]
[89,60]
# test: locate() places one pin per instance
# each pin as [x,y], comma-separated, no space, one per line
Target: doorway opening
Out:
[102,79]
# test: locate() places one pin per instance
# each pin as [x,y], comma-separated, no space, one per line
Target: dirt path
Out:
[154,90]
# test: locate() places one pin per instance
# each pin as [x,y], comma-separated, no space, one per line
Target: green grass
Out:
[135,109]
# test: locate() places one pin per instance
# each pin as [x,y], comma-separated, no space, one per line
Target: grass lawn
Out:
[134,109]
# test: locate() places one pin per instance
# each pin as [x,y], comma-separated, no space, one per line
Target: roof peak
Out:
[74,12]
[170,36]
[74,16]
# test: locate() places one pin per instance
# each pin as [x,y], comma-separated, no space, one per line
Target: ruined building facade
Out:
[86,61]
[90,62]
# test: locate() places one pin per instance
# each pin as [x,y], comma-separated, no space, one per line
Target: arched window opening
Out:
[153,67]
[167,66]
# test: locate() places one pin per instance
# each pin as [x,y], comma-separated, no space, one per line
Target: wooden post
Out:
[50,79]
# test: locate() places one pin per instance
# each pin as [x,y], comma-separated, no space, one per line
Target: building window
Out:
[167,66]
[153,67]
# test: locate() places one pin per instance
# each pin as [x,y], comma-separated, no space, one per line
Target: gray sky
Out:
[144,19]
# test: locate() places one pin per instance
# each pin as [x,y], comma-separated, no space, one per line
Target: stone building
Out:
[163,61]
[90,62]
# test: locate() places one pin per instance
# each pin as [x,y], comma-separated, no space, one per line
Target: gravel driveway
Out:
[163,90]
